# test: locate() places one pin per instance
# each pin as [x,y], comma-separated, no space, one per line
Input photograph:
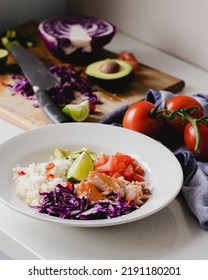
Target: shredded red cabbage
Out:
[62,203]
[63,93]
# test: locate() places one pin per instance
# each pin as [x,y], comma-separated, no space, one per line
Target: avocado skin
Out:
[118,85]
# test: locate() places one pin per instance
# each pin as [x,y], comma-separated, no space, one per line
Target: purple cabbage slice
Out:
[62,203]
[65,36]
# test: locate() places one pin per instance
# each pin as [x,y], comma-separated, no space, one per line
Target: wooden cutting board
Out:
[18,110]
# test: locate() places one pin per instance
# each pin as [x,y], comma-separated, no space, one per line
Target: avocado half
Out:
[111,78]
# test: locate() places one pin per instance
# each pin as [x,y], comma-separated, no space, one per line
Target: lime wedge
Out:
[3,56]
[80,168]
[78,112]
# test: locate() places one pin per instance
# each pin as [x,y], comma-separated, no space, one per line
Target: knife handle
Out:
[49,107]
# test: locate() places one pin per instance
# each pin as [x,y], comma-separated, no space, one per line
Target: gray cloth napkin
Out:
[195,185]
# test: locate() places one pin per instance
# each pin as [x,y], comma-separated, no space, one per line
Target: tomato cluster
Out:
[182,120]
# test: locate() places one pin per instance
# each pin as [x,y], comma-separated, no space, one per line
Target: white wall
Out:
[15,12]
[179,27]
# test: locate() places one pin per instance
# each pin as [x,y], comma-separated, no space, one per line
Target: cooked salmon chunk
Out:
[106,184]
[137,192]
[86,189]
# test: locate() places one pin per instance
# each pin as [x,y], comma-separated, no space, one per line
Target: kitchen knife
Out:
[41,80]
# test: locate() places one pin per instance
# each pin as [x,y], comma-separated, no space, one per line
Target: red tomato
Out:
[190,139]
[69,186]
[138,117]
[108,166]
[92,108]
[130,175]
[130,58]
[182,102]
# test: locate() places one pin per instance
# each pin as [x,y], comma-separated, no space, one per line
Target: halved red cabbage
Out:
[61,202]
[67,36]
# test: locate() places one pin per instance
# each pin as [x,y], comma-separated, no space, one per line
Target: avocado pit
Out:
[110,66]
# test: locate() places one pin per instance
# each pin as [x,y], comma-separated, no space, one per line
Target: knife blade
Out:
[41,81]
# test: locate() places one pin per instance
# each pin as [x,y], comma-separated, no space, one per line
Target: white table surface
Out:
[172,233]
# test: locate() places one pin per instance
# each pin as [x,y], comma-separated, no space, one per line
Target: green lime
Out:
[78,112]
[3,56]
[80,168]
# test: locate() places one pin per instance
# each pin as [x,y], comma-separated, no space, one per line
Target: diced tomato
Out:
[120,165]
[124,158]
[129,57]
[138,178]
[137,168]
[101,159]
[109,166]
[92,108]
[129,169]
[68,186]
[128,172]
[130,202]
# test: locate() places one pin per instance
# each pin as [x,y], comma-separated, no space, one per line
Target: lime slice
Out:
[78,112]
[3,56]
[80,168]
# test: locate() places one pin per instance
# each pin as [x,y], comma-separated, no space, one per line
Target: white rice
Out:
[29,186]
